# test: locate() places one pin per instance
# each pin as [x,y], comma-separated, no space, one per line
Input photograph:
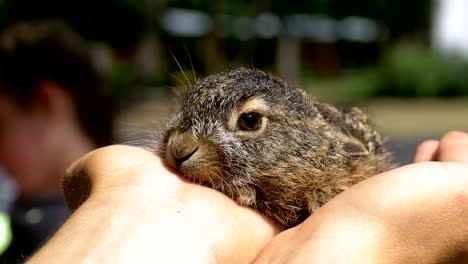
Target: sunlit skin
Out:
[140,212]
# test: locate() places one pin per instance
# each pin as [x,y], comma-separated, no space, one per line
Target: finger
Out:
[453,147]
[426,151]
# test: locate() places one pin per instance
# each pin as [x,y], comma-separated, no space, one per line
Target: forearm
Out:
[95,233]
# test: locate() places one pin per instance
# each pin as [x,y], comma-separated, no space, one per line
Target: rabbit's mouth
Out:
[201,169]
[197,162]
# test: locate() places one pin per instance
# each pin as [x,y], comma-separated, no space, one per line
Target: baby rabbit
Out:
[269,146]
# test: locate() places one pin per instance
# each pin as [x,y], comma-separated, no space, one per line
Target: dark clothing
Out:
[33,222]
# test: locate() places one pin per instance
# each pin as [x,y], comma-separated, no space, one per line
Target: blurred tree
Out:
[401,17]
[302,6]
[114,21]
[149,59]
[127,24]
[212,54]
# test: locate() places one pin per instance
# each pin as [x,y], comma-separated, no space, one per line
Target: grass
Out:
[419,117]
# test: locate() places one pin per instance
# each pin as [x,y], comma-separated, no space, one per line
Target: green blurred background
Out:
[379,54]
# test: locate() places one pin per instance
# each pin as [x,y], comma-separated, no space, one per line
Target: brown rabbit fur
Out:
[288,157]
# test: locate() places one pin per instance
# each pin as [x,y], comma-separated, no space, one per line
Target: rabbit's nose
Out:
[180,149]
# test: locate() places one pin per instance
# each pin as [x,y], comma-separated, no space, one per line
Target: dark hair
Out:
[49,50]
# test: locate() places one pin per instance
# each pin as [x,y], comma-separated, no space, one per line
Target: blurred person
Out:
[53,109]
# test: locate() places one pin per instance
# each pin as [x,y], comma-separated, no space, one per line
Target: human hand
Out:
[138,212]
[413,214]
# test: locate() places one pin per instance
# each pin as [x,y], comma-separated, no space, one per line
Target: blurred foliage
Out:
[122,21]
[400,71]
[221,7]
[119,22]
[399,16]
[417,71]
[404,71]
[352,85]
[120,78]
[396,12]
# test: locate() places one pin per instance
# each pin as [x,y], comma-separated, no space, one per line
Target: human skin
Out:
[40,139]
[413,214]
[140,211]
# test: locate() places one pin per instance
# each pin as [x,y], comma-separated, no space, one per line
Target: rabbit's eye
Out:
[249,121]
